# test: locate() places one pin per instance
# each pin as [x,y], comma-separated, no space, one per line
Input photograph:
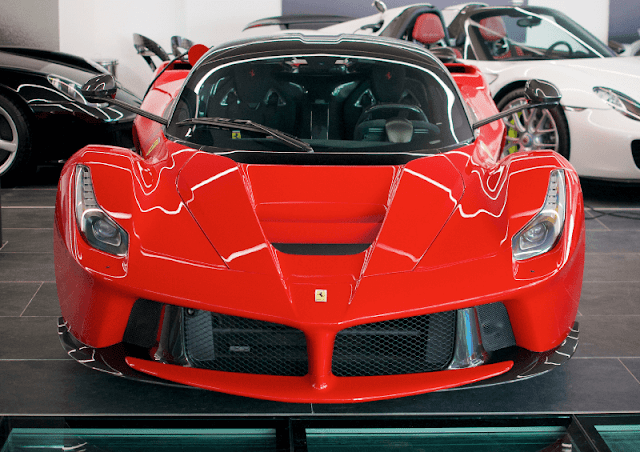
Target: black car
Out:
[43,116]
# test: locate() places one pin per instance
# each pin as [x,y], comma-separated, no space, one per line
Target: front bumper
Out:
[132,362]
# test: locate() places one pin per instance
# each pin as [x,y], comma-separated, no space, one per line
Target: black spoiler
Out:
[295,20]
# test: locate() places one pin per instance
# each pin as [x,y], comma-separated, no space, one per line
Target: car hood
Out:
[46,62]
[575,78]
[340,223]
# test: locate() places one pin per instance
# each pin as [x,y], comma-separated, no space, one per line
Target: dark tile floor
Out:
[38,378]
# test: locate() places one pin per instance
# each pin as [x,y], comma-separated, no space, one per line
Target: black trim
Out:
[319,158]
[110,360]
[321,249]
[635,152]
[143,324]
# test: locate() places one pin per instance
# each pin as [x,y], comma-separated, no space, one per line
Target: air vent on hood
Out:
[321,249]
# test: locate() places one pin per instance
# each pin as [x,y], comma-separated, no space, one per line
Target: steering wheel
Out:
[499,48]
[548,52]
[388,111]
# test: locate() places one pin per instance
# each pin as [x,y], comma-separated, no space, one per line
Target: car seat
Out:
[494,33]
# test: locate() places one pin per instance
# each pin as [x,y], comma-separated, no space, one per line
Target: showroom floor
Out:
[38,378]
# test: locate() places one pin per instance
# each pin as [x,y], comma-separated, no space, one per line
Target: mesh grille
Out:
[236,344]
[403,346]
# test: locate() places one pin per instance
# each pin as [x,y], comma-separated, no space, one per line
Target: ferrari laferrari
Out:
[319,219]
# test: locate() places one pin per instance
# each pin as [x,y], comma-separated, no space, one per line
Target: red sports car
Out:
[319,219]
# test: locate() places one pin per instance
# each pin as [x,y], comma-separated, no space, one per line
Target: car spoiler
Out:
[295,20]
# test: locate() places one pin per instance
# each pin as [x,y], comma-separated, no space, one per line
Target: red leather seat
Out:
[492,29]
[428,29]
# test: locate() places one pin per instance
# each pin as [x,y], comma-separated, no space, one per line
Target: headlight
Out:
[618,101]
[543,231]
[70,89]
[98,229]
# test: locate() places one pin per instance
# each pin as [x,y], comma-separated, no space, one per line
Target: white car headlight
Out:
[618,101]
[98,228]
[542,232]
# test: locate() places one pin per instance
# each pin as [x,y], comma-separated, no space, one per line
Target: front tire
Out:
[15,142]
[535,129]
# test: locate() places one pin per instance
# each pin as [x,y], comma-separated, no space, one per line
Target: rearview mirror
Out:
[100,87]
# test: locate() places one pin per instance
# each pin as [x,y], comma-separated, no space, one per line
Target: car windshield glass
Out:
[517,34]
[333,103]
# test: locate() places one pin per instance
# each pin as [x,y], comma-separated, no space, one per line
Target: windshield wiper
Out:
[249,126]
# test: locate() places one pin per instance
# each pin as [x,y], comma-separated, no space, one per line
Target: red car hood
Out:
[252,213]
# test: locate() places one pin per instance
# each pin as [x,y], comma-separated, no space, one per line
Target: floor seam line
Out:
[634,377]
[34,295]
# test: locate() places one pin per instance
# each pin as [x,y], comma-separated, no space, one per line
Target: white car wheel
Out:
[534,129]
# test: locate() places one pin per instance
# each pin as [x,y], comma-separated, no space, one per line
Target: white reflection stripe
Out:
[397,251]
[432,182]
[244,252]
[211,179]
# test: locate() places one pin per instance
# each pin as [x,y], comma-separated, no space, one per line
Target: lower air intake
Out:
[403,346]
[236,344]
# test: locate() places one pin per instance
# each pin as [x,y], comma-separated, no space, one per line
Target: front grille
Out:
[403,346]
[236,344]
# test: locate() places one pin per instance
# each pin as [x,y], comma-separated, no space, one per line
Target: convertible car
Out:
[596,127]
[319,219]
[43,116]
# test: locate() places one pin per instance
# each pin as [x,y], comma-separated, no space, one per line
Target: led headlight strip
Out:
[543,231]
[98,229]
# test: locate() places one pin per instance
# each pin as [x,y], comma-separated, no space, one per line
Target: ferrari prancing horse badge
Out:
[321,295]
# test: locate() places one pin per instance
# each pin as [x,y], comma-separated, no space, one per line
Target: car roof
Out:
[375,45]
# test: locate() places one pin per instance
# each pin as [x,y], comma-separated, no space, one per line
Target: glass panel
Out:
[140,440]
[621,438]
[490,439]
[335,103]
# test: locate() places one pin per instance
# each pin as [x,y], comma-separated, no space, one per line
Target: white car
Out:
[597,126]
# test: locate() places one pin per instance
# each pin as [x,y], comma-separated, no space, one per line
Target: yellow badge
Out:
[153,146]
[321,295]
[236,135]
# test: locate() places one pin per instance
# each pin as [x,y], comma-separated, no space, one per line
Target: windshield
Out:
[331,103]
[518,34]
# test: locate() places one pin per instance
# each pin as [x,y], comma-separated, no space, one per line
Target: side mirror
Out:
[379,5]
[539,93]
[102,87]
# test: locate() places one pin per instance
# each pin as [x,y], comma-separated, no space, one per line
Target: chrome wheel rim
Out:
[530,130]
[8,144]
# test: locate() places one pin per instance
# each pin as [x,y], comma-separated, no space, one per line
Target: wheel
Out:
[534,129]
[15,142]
